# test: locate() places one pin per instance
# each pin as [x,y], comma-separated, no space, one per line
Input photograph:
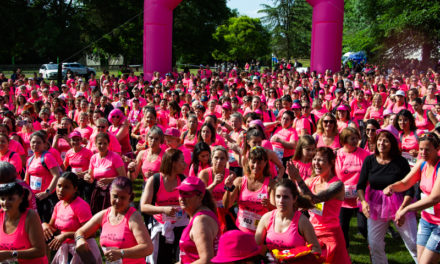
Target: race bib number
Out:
[279,152]
[36,183]
[76,170]
[101,170]
[350,191]
[231,158]
[177,216]
[429,210]
[319,209]
[249,220]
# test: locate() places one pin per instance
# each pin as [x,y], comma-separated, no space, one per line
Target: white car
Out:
[50,71]
[78,68]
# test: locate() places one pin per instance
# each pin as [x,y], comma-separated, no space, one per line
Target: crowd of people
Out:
[236,166]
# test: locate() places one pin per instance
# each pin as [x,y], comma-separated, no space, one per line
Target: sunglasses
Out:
[305,107]
[370,130]
[328,121]
[101,127]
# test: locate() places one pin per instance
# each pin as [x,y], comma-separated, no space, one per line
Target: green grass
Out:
[359,253]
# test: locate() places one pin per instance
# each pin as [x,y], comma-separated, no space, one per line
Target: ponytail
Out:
[208,201]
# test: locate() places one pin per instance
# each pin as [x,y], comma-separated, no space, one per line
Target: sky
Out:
[248,7]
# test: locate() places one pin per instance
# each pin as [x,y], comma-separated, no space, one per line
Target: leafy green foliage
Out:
[289,22]
[241,39]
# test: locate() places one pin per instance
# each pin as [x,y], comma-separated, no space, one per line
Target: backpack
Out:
[156,185]
[41,160]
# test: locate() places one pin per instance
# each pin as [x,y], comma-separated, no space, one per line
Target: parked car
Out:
[50,71]
[78,68]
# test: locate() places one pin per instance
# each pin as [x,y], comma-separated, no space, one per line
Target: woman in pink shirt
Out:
[286,227]
[253,192]
[104,167]
[327,193]
[375,111]
[148,161]
[426,172]
[327,134]
[25,135]
[42,172]
[124,236]
[425,119]
[120,129]
[10,156]
[201,159]
[61,139]
[304,153]
[285,137]
[368,141]
[343,117]
[349,160]
[83,127]
[408,132]
[21,235]
[69,214]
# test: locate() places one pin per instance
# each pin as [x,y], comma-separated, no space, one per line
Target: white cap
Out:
[400,93]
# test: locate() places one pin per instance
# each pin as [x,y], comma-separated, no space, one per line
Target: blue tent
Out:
[357,57]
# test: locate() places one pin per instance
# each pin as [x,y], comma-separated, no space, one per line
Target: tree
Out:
[242,39]
[194,23]
[290,23]
[389,30]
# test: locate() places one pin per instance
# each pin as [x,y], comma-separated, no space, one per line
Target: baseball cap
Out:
[172,132]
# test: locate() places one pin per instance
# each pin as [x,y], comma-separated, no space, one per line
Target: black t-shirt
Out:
[380,176]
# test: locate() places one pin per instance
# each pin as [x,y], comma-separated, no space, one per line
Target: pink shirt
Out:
[79,161]
[165,198]
[13,158]
[291,238]
[188,249]
[40,177]
[250,209]
[105,167]
[305,169]
[151,167]
[70,217]
[302,123]
[334,145]
[432,214]
[18,240]
[286,134]
[85,132]
[348,169]
[16,147]
[113,145]
[119,236]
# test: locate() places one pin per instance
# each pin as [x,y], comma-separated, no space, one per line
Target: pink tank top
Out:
[189,144]
[188,249]
[286,240]
[119,236]
[326,214]
[423,122]
[409,142]
[125,142]
[165,198]
[305,169]
[219,190]
[431,214]
[18,240]
[250,209]
[377,114]
[334,145]
[151,166]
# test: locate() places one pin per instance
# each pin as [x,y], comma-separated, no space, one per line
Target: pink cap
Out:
[227,105]
[236,245]
[321,92]
[342,108]
[191,184]
[172,132]
[258,111]
[296,106]
[390,129]
[75,134]
[257,122]
[368,92]
[387,112]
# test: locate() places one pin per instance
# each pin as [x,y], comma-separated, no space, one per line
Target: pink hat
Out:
[257,122]
[368,92]
[390,129]
[116,112]
[387,112]
[258,111]
[236,245]
[227,105]
[342,108]
[172,132]
[321,92]
[296,106]
[74,134]
[191,184]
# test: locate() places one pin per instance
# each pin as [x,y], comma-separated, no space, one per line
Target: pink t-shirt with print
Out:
[105,167]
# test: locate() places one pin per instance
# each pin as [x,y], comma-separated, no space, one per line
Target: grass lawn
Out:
[396,250]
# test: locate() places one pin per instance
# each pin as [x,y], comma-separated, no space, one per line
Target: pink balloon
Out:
[328,22]
[158,34]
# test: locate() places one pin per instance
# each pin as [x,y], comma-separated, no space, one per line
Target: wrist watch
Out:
[47,191]
[14,254]
[229,189]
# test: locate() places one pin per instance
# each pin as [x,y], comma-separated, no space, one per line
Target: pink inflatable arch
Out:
[328,22]
[158,35]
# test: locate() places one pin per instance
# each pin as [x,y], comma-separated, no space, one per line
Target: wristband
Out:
[78,238]
[122,253]
[229,189]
